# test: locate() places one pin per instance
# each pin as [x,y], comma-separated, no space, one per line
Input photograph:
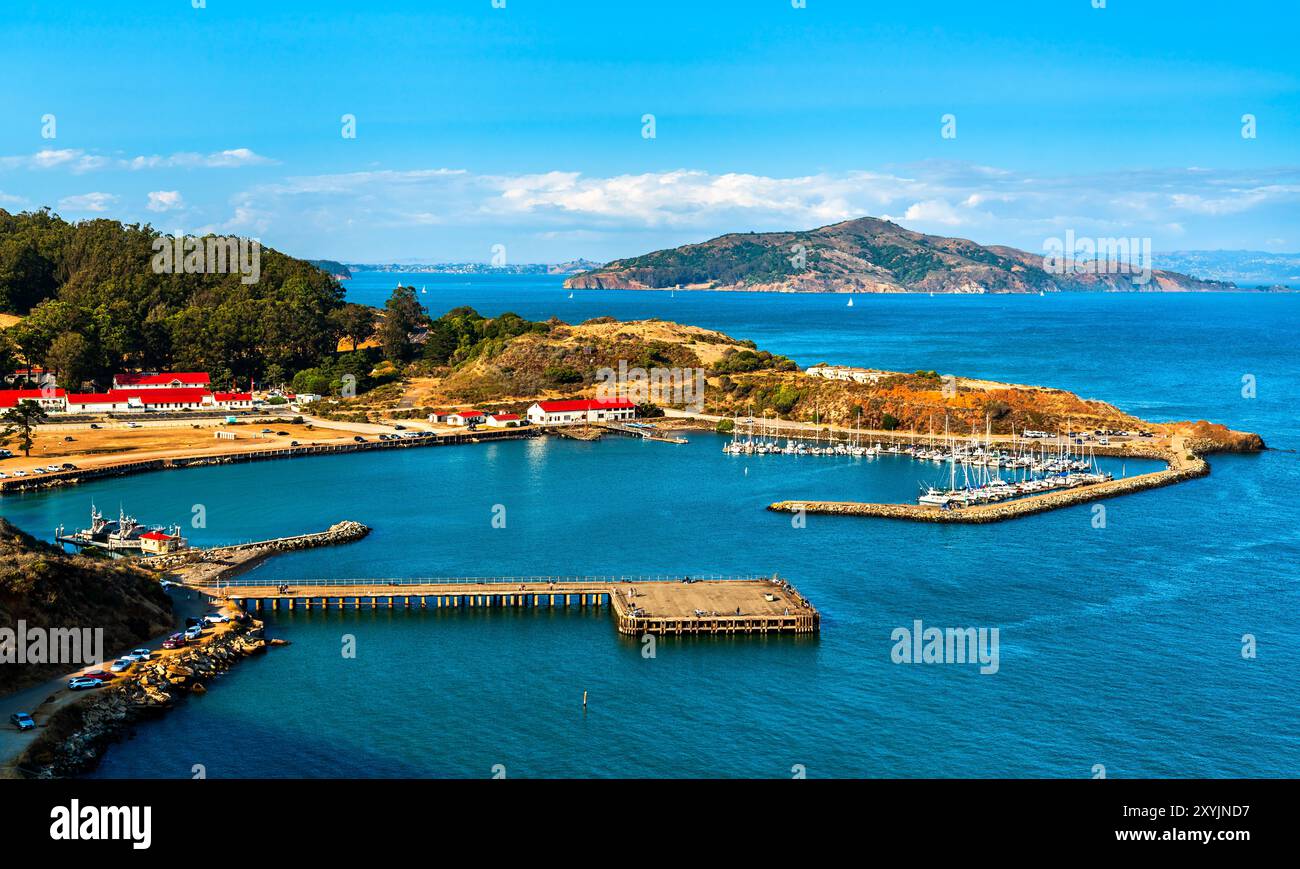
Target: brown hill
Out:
[865,255]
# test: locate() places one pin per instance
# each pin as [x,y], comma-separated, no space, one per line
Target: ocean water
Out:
[1119,645]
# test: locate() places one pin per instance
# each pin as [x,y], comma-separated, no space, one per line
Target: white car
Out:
[121,665]
[52,468]
[193,633]
[79,683]
[216,618]
[20,473]
[38,470]
[141,654]
[3,475]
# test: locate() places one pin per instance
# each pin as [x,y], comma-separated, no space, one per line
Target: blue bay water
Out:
[1119,646]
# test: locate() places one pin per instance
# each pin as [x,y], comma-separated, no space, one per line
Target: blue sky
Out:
[478,126]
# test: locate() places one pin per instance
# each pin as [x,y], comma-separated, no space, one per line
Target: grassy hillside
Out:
[47,588]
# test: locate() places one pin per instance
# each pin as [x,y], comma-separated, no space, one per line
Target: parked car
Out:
[194,633]
[142,654]
[400,427]
[101,675]
[293,443]
[38,470]
[94,425]
[175,641]
[69,466]
[359,439]
[67,439]
[121,665]
[282,434]
[22,721]
[20,473]
[52,468]
[82,684]
[3,476]
[216,618]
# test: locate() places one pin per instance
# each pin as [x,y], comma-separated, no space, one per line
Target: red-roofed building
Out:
[165,380]
[233,399]
[49,399]
[158,542]
[504,420]
[140,399]
[573,411]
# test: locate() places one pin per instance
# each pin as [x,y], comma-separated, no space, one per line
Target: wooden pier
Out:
[640,605]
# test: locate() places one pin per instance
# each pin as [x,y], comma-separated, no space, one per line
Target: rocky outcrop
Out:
[77,736]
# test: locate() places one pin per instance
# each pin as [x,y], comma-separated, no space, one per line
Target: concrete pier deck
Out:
[640,605]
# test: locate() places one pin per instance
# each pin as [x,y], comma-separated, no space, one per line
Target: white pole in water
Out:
[584,701]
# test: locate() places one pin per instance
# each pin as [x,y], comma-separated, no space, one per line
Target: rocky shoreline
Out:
[76,737]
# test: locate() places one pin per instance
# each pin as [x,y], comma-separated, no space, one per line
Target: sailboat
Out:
[850,300]
[570,295]
[423,290]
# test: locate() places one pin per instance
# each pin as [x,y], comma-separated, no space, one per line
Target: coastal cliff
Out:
[44,587]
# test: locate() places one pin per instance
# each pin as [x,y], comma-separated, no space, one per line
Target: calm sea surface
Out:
[1119,645]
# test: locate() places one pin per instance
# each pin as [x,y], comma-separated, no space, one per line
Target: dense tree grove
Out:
[93,305]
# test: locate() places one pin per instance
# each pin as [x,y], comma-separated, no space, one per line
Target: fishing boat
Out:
[123,534]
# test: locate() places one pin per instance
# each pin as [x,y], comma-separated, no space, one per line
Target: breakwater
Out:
[1183,464]
[205,566]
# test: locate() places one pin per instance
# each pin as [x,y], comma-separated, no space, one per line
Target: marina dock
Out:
[641,605]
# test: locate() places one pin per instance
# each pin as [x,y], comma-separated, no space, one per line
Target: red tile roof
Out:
[233,396]
[466,413]
[11,397]
[157,535]
[190,378]
[585,404]
[506,416]
[146,396]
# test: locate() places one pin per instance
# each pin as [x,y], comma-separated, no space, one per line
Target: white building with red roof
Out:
[504,420]
[54,400]
[163,380]
[580,410]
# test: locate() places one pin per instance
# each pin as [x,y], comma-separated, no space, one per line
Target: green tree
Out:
[355,323]
[69,357]
[402,316]
[19,423]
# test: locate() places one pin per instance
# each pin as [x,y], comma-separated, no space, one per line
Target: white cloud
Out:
[79,161]
[229,159]
[165,200]
[96,202]
[617,215]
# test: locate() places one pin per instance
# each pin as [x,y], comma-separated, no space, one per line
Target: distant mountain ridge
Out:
[564,268]
[864,255]
[1255,268]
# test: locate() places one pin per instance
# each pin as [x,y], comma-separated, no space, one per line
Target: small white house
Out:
[465,417]
[504,420]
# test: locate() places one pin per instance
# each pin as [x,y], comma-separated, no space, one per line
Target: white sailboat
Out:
[850,300]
